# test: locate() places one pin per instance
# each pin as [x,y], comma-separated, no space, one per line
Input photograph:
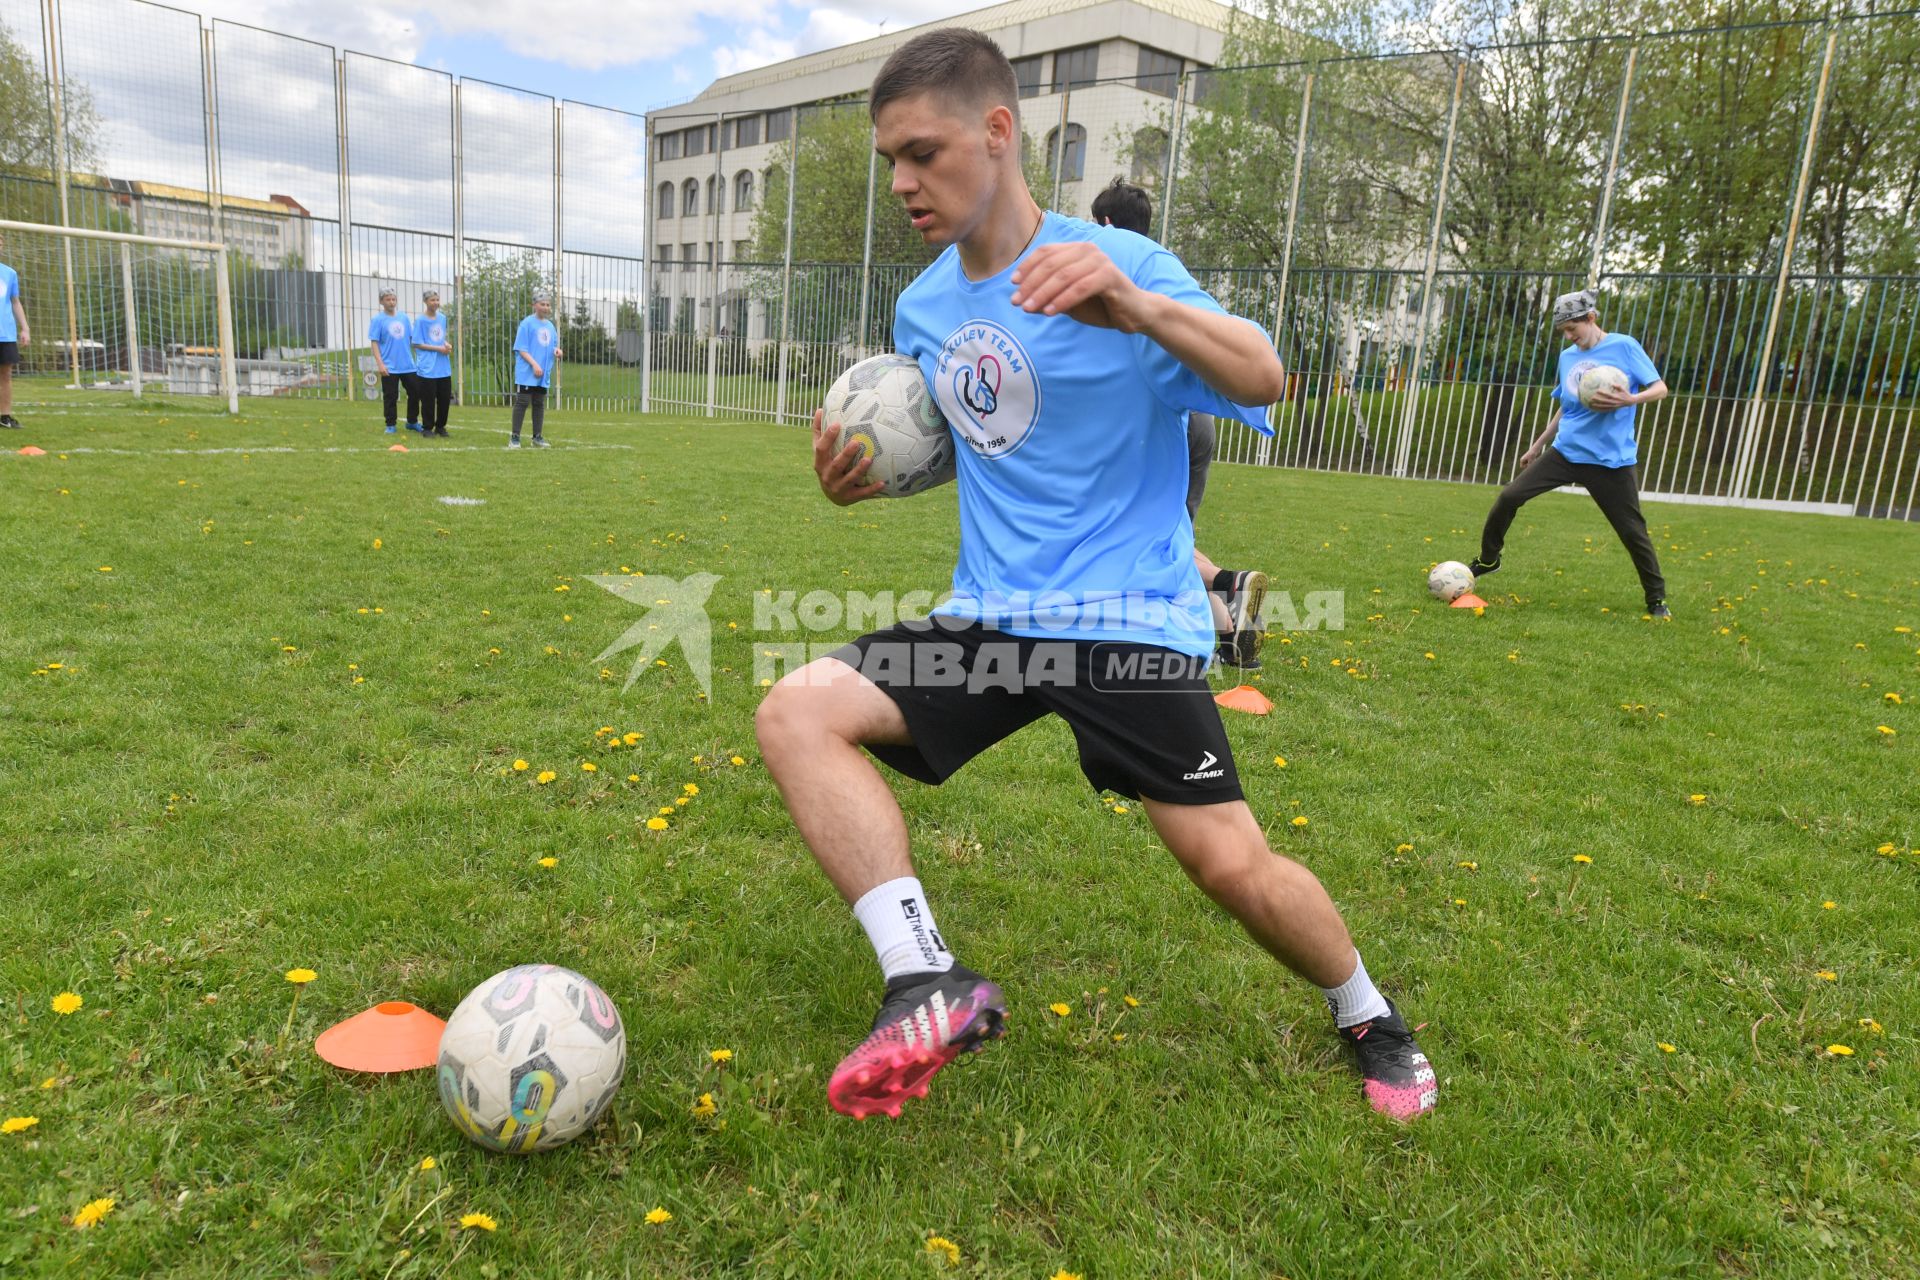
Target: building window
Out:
[1026,73]
[1152,149]
[779,125]
[690,198]
[665,207]
[669,144]
[689,256]
[746,131]
[1075,67]
[697,140]
[743,191]
[743,252]
[716,197]
[1073,159]
[1157,72]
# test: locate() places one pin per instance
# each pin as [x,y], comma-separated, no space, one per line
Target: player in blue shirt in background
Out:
[1593,448]
[390,334]
[1066,357]
[14,335]
[536,345]
[433,366]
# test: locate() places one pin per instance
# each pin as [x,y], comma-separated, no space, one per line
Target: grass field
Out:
[262,692]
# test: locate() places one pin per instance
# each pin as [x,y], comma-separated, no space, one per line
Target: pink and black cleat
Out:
[1396,1077]
[927,1020]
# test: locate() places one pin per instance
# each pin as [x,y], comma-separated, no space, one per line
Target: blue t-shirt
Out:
[1603,439]
[1072,444]
[393,334]
[431,364]
[9,294]
[536,338]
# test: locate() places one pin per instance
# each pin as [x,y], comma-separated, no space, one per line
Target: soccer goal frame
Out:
[223,295]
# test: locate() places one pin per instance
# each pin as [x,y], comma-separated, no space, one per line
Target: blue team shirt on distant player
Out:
[9,293]
[431,364]
[536,338]
[1603,439]
[1072,446]
[393,334]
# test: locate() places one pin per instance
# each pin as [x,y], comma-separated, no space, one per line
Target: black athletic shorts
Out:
[9,353]
[1143,715]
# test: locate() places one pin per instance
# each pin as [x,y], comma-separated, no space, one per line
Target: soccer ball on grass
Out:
[1449,580]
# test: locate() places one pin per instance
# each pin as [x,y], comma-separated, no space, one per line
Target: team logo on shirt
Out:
[545,338]
[986,388]
[396,330]
[437,333]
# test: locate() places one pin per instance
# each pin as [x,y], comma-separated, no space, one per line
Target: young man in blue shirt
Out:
[390,334]
[14,335]
[1235,594]
[433,366]
[1593,448]
[536,345]
[1065,357]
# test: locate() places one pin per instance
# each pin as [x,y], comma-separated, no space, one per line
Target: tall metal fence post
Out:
[559,247]
[1173,161]
[346,226]
[1403,447]
[1286,259]
[716,198]
[50,24]
[1750,435]
[866,256]
[1060,144]
[648,282]
[1598,260]
[459,256]
[786,269]
[210,81]
[133,328]
[223,306]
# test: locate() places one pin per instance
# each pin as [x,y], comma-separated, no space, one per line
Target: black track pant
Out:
[1615,489]
[525,398]
[390,384]
[436,394]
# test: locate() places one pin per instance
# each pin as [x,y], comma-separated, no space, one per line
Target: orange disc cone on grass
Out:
[391,1036]
[33,451]
[1468,600]
[1244,697]
[396,448]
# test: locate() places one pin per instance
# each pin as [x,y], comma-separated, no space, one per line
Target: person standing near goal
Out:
[390,334]
[536,345]
[432,366]
[1591,447]
[1234,595]
[14,335]
[1066,357]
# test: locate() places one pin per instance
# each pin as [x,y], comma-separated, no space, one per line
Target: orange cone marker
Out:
[1245,698]
[391,1036]
[396,448]
[1468,600]
[33,451]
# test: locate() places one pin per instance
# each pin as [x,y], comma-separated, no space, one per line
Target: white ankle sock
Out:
[1356,999]
[900,926]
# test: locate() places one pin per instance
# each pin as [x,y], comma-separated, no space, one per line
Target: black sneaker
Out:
[441,432]
[1480,568]
[1657,609]
[1396,1077]
[1239,649]
[926,1021]
[9,422]
[538,443]
[1244,598]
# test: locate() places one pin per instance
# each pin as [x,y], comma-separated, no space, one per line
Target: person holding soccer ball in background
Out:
[1591,445]
[1098,343]
[536,345]
[432,367]
[390,334]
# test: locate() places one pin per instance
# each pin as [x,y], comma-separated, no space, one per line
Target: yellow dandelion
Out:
[1888,730]
[91,1212]
[549,862]
[1064,1274]
[1870,1025]
[1459,902]
[1403,847]
[1059,1009]
[1130,1002]
[736,760]
[67,1002]
[106,568]
[468,1221]
[1300,820]
[1885,848]
[1840,1051]
[691,789]
[1663,1046]
[656,824]
[1120,808]
[588,766]
[1894,698]
[1468,866]
[1828,905]
[301,977]
[656,1216]
[1279,762]
[631,738]
[521,766]
[545,776]
[429,1164]
[1582,858]
[377,544]
[18,1124]
[943,1247]
[1697,798]
[721,1055]
[633,777]
[704,1107]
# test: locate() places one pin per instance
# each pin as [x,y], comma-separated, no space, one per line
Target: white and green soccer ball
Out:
[531,1059]
[1601,377]
[1449,580]
[884,404]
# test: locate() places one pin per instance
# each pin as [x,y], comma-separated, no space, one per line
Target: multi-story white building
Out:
[1097,84]
[274,232]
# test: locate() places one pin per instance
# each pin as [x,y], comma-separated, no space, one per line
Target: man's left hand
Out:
[1081,281]
[1606,401]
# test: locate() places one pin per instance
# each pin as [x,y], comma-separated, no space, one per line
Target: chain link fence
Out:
[1745,200]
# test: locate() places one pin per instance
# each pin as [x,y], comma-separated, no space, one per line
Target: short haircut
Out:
[390,292]
[1125,206]
[962,66]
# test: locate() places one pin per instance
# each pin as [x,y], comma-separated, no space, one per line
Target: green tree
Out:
[496,293]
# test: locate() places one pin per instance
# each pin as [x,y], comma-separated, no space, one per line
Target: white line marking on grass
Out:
[286,448]
[464,502]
